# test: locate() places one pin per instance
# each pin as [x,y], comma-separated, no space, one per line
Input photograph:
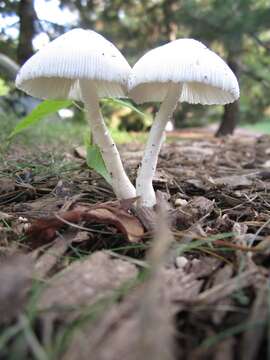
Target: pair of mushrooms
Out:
[83,65]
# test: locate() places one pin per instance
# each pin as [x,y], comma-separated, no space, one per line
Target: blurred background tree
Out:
[236,29]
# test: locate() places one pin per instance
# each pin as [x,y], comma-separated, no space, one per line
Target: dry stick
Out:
[83,228]
[258,232]
[237,247]
[48,259]
[220,291]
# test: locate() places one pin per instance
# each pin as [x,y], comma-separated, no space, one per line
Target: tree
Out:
[24,15]
[230,23]
[236,29]
[27,16]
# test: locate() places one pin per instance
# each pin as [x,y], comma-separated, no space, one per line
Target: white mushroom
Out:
[83,65]
[182,70]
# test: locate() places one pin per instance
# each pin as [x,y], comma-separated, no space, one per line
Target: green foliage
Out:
[94,158]
[242,40]
[95,161]
[4,89]
[261,126]
[237,29]
[46,108]
[122,103]
[49,107]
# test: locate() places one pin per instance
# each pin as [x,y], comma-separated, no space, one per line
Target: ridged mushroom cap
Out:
[206,78]
[53,72]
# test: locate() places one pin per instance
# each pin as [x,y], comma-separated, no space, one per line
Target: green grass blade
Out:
[235,330]
[183,248]
[124,104]
[95,161]
[8,334]
[44,109]
[32,340]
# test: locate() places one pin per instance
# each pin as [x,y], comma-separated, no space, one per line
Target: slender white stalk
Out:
[121,184]
[144,187]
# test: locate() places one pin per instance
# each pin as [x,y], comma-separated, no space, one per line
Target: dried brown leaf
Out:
[203,267]
[141,326]
[47,256]
[234,181]
[114,336]
[6,185]
[44,230]
[87,281]
[15,281]
[195,209]
[126,223]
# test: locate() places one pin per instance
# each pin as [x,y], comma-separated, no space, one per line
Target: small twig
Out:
[226,288]
[235,246]
[258,232]
[81,227]
[140,263]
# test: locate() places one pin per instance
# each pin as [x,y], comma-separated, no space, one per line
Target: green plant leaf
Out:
[95,161]
[4,88]
[45,108]
[124,104]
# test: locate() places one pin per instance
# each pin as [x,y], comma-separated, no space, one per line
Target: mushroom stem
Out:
[121,184]
[144,187]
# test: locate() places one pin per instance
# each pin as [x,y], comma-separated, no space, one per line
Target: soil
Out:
[193,284]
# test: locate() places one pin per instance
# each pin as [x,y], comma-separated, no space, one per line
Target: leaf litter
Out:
[95,280]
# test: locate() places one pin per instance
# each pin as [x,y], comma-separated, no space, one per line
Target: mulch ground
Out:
[82,278]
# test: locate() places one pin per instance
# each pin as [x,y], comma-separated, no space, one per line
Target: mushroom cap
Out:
[55,70]
[205,77]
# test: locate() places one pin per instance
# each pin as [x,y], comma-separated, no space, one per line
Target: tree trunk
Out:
[171,28]
[27,15]
[8,67]
[231,111]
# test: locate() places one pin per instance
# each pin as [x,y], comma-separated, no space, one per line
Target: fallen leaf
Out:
[234,181]
[190,213]
[126,223]
[15,281]
[46,257]
[6,185]
[44,230]
[87,281]
[130,329]
[40,207]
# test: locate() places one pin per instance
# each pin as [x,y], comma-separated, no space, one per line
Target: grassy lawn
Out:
[261,126]
[66,134]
